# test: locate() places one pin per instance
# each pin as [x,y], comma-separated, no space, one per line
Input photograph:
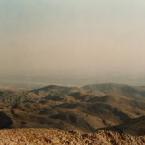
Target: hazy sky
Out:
[72,37]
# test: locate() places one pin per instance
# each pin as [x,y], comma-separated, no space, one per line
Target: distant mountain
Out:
[56,90]
[116,89]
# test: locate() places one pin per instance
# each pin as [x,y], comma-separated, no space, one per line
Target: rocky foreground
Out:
[58,137]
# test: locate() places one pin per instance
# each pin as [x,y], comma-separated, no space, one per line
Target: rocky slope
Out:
[57,137]
[129,133]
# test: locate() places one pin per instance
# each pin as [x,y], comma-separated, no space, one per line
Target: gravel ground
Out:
[57,137]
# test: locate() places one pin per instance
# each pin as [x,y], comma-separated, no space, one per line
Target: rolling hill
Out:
[85,108]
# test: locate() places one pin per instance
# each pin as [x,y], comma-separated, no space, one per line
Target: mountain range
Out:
[85,109]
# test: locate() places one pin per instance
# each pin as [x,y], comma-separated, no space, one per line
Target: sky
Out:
[72,38]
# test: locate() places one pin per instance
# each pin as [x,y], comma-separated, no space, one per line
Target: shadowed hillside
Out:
[135,127]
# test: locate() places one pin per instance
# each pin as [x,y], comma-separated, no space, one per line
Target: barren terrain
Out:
[96,114]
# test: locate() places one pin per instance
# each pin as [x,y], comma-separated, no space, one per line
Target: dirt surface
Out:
[57,137]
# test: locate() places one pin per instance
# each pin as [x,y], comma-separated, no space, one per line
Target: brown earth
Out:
[57,137]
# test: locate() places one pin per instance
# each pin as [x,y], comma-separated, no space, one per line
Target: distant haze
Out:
[81,39]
